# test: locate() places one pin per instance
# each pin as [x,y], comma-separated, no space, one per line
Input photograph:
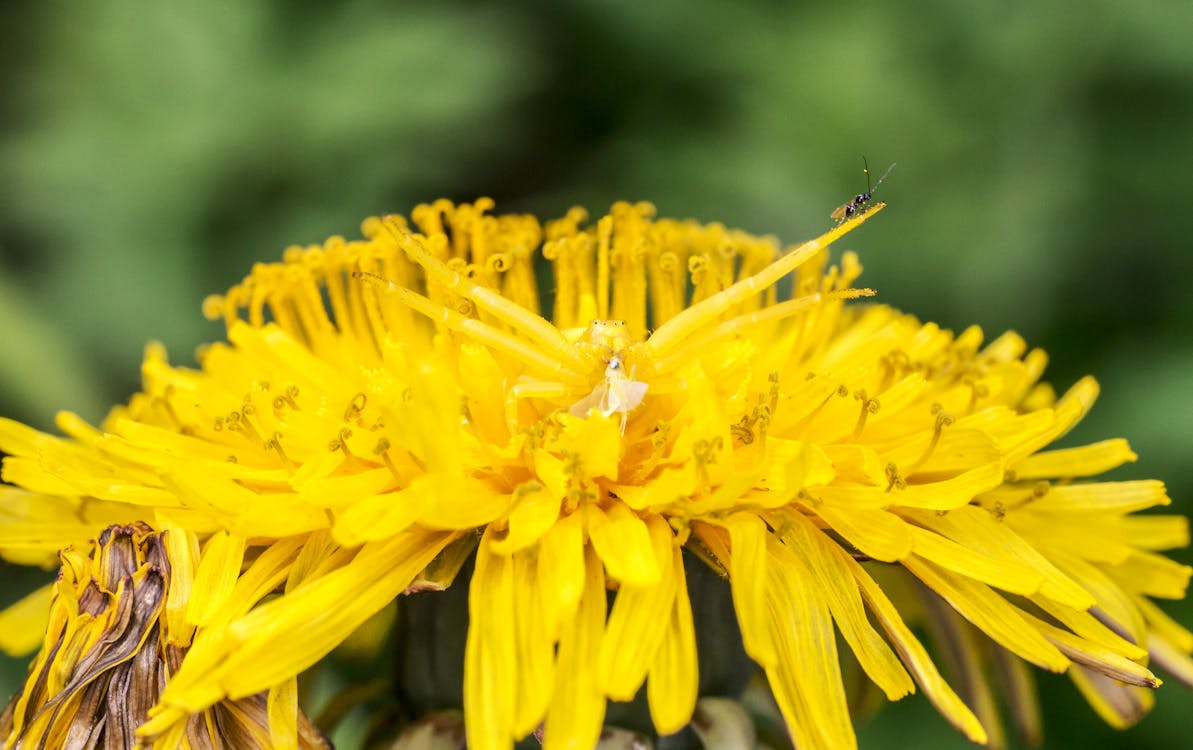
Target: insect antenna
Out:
[880,179]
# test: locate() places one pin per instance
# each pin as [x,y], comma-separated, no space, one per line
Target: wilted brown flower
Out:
[113,641]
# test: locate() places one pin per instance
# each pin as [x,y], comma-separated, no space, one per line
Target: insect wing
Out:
[598,399]
[625,395]
[610,397]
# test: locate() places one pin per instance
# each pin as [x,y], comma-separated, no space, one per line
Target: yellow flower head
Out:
[385,407]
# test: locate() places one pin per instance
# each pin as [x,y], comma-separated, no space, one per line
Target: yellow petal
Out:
[282,709]
[876,533]
[483,390]
[624,544]
[1112,601]
[462,503]
[694,317]
[1097,657]
[1084,461]
[1100,497]
[490,663]
[21,440]
[855,463]
[1040,529]
[828,572]
[1153,532]
[552,471]
[534,646]
[639,620]
[265,575]
[674,677]
[1164,626]
[375,517]
[1172,659]
[577,708]
[792,464]
[984,532]
[806,679]
[950,493]
[30,474]
[23,623]
[280,638]
[1068,411]
[35,524]
[915,657]
[535,509]
[956,450]
[219,567]
[942,495]
[182,547]
[668,488]
[748,580]
[561,570]
[1117,704]
[1000,573]
[191,689]
[334,491]
[1091,629]
[598,443]
[992,614]
[319,555]
[246,513]
[1152,574]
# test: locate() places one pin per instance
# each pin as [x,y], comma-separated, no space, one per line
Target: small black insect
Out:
[849,208]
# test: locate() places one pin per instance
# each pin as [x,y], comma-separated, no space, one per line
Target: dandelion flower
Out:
[386,408]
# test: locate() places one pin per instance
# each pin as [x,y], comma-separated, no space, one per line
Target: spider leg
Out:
[536,360]
[552,391]
[533,326]
[672,334]
[541,389]
[685,351]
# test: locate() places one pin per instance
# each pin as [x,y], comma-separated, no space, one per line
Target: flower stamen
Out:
[356,408]
[275,444]
[340,443]
[287,399]
[869,406]
[381,450]
[943,420]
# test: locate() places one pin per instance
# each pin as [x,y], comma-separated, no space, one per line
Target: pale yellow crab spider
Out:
[562,366]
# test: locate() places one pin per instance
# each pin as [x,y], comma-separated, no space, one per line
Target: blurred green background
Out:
[151,152]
